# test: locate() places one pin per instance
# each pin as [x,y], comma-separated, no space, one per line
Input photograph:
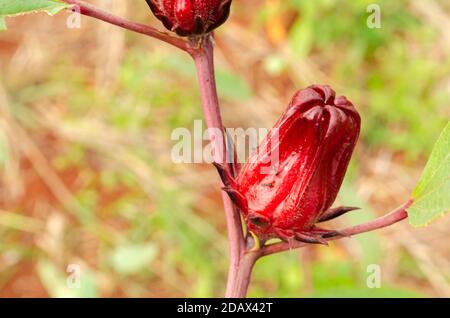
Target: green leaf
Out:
[11,8]
[133,258]
[432,193]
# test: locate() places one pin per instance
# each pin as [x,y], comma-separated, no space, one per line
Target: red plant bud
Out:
[191,17]
[313,142]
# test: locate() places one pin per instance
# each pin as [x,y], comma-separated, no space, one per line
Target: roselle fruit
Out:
[191,17]
[313,142]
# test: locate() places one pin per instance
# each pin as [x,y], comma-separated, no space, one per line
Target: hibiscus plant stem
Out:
[249,259]
[397,215]
[203,56]
[88,9]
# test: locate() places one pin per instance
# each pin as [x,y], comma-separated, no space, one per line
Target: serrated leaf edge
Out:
[425,224]
[441,135]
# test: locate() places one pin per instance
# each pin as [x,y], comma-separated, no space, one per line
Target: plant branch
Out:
[203,57]
[240,287]
[91,11]
[249,259]
[393,217]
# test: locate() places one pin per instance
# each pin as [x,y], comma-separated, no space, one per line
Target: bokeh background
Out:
[86,178]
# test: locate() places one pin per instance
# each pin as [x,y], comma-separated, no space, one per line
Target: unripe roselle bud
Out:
[314,141]
[191,17]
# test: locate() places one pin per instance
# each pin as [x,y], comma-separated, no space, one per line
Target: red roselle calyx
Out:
[191,17]
[313,142]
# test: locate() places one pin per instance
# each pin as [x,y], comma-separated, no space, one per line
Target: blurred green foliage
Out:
[390,73]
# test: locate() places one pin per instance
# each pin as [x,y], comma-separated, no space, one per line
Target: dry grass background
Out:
[86,177]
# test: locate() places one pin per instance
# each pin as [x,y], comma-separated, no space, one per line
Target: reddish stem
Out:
[240,287]
[91,11]
[395,216]
[251,257]
[204,60]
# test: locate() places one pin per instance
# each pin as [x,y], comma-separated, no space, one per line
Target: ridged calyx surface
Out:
[312,143]
[191,17]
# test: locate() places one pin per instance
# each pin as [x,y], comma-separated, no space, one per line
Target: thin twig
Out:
[395,216]
[91,11]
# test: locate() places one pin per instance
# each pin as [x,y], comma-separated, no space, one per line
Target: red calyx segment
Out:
[313,142]
[184,14]
[191,17]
